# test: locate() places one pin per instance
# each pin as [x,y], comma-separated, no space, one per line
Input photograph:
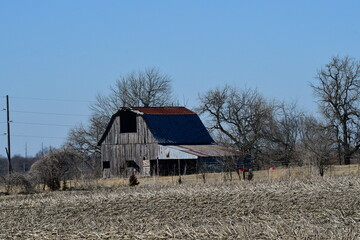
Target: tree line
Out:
[274,133]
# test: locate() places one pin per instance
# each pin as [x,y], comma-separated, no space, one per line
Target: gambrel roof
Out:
[170,125]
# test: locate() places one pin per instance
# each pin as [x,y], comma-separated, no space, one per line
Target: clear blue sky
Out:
[72,50]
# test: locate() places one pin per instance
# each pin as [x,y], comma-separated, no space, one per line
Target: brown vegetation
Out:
[316,208]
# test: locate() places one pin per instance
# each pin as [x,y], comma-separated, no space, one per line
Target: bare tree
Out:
[84,139]
[319,144]
[148,88]
[338,91]
[236,117]
[282,135]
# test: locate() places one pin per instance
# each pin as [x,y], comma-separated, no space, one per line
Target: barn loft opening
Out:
[128,122]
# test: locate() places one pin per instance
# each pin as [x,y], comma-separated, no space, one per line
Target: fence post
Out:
[289,172]
[330,171]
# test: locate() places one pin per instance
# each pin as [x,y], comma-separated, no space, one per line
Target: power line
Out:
[43,124]
[29,136]
[52,99]
[49,113]
[49,124]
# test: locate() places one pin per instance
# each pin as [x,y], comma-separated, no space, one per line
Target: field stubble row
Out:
[307,208]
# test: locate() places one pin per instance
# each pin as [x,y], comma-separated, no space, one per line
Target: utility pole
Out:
[8,149]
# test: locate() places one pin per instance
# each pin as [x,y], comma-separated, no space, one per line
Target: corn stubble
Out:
[283,209]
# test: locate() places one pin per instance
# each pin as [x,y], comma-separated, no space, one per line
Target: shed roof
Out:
[196,151]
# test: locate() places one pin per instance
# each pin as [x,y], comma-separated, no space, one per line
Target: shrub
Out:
[133,181]
[18,182]
[56,166]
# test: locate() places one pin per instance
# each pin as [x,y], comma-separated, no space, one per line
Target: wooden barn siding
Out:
[119,147]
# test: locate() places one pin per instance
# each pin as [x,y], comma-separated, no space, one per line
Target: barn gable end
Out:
[126,143]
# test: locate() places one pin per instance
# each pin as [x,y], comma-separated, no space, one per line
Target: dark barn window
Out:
[128,122]
[106,164]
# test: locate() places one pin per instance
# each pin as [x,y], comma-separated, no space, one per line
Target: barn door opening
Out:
[131,167]
[172,167]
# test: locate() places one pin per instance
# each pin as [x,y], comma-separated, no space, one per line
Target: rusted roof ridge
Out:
[164,110]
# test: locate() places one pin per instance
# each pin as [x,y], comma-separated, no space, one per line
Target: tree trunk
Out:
[347,158]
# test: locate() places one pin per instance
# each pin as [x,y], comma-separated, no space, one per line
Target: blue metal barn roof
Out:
[178,129]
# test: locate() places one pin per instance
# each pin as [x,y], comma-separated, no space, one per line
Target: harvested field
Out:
[315,208]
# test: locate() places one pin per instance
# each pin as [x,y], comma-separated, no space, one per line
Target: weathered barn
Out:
[159,140]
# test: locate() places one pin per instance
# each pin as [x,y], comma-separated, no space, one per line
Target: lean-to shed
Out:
[158,140]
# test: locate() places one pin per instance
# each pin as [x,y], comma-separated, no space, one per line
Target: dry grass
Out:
[316,208]
[263,175]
